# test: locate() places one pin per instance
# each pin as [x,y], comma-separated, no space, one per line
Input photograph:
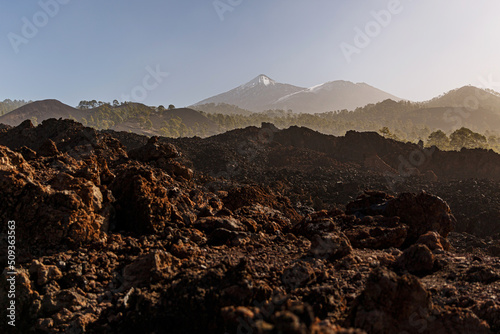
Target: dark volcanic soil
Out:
[257,230]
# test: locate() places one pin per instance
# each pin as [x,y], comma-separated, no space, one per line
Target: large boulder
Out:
[417,259]
[421,212]
[401,304]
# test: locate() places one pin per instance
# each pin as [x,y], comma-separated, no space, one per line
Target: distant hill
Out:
[469,107]
[263,93]
[468,97]
[42,110]
[133,117]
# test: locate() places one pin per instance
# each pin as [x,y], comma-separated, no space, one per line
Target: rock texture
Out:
[239,233]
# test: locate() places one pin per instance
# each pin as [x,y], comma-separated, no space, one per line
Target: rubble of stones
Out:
[254,231]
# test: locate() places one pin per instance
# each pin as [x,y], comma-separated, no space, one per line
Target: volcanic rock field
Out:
[257,230]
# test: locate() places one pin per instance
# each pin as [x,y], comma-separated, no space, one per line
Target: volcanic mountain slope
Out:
[263,93]
[40,111]
[256,95]
[332,96]
[116,233]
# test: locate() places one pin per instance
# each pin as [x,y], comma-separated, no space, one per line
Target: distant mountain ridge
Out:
[263,93]
[471,107]
[133,117]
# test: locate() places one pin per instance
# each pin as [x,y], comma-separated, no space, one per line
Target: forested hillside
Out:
[7,105]
[465,117]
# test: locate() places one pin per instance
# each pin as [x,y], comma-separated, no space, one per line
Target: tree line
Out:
[7,105]
[373,117]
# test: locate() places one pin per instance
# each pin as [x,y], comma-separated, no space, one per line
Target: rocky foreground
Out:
[117,233]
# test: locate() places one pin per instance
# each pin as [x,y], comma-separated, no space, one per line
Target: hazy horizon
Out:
[72,50]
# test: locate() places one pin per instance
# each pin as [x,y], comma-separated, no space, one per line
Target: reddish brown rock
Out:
[332,246]
[298,274]
[246,251]
[262,218]
[376,232]
[72,213]
[433,241]
[71,299]
[316,223]
[184,250]
[482,274]
[43,273]
[417,260]
[210,224]
[489,310]
[246,196]
[370,202]
[14,162]
[422,213]
[143,204]
[154,151]
[141,270]
[48,149]
[394,304]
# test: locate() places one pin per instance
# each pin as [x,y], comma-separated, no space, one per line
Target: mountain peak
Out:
[263,93]
[261,79]
[466,97]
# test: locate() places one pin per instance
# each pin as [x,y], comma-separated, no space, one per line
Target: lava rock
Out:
[417,259]
[376,232]
[422,212]
[434,241]
[140,271]
[331,246]
[395,304]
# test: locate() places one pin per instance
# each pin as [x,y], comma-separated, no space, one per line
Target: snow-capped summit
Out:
[255,95]
[263,93]
[259,80]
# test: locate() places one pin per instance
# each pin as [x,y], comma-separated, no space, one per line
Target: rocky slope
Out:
[253,231]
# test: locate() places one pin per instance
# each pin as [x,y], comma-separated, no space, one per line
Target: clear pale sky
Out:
[102,49]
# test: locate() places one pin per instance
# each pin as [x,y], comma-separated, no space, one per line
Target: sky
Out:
[162,52]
